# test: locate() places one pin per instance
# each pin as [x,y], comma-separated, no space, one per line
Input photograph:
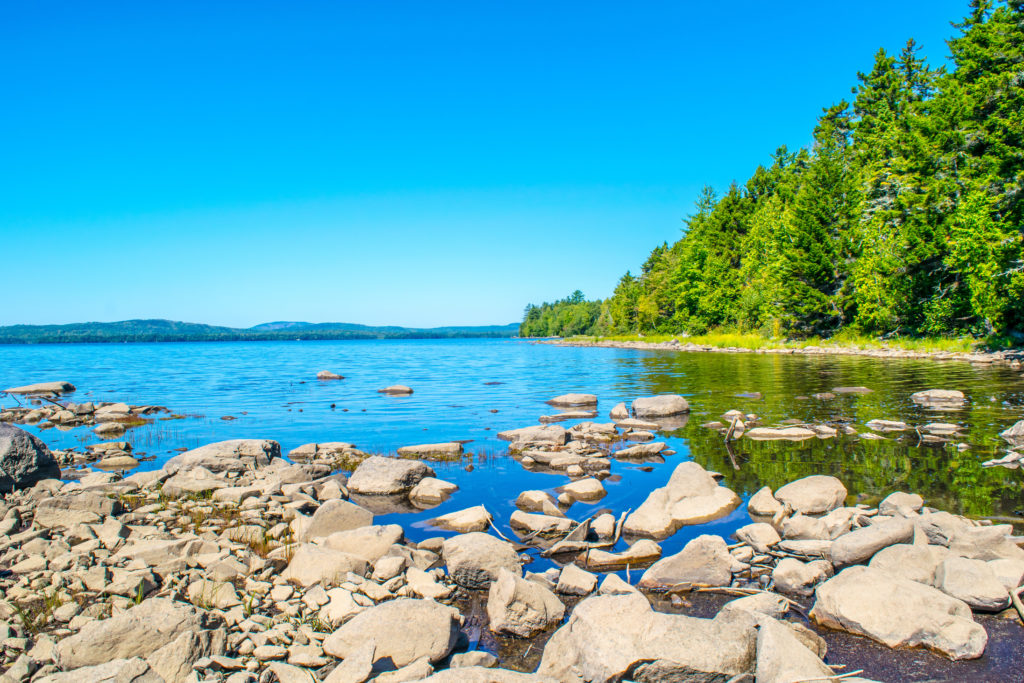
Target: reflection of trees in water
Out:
[947,478]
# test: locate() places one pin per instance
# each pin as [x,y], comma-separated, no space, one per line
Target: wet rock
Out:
[912,562]
[692,496]
[759,536]
[381,476]
[664,405]
[782,658]
[793,577]
[939,398]
[43,388]
[852,390]
[898,613]
[763,503]
[1014,434]
[887,426]
[236,455]
[475,559]
[704,561]
[547,434]
[520,607]
[814,495]
[451,449]
[640,553]
[327,374]
[476,518]
[972,581]
[640,451]
[574,400]
[396,390]
[431,491]
[619,412]
[312,564]
[24,460]
[860,545]
[620,637]
[334,516]
[525,521]
[783,434]
[403,630]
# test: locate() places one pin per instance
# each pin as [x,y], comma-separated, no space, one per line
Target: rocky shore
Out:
[1013,359]
[234,563]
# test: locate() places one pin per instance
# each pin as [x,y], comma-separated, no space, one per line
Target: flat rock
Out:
[334,516]
[900,503]
[520,607]
[573,400]
[396,390]
[476,518]
[939,398]
[704,561]
[235,455]
[814,495]
[312,564]
[368,542]
[974,582]
[449,449]
[131,670]
[619,412]
[475,559]
[538,501]
[24,459]
[644,551]
[912,562]
[1014,434]
[664,405]
[692,496]
[549,434]
[403,630]
[887,426]
[526,521]
[860,545]
[381,476]
[783,434]
[43,388]
[588,489]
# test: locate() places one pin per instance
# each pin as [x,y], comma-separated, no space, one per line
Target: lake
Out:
[471,389]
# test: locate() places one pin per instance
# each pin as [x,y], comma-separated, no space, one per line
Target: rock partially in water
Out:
[813,495]
[448,450]
[888,426]
[54,388]
[24,460]
[704,561]
[574,400]
[898,613]
[939,398]
[588,489]
[1014,434]
[475,559]
[784,434]
[327,374]
[692,496]
[473,519]
[619,412]
[381,476]
[547,434]
[759,536]
[763,503]
[396,390]
[664,405]
[900,503]
[235,455]
[521,608]
[640,553]
[431,491]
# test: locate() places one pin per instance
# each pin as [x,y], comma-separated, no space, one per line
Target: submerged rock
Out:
[784,434]
[451,449]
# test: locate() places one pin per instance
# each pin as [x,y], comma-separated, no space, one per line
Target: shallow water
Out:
[271,391]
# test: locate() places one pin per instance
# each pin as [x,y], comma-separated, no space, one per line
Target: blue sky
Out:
[412,163]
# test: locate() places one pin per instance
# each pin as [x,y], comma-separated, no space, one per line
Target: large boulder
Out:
[43,388]
[520,607]
[912,562]
[476,559]
[381,476]
[973,581]
[861,545]
[619,637]
[814,495]
[234,455]
[24,459]
[169,635]
[334,516]
[704,561]
[368,542]
[1014,434]
[404,630]
[312,564]
[664,405]
[898,613]
[783,658]
[134,670]
[692,496]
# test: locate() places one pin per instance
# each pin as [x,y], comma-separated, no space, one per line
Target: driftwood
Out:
[575,541]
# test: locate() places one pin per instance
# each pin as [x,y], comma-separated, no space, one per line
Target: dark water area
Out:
[471,389]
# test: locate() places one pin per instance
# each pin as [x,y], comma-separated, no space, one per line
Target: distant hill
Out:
[171,330]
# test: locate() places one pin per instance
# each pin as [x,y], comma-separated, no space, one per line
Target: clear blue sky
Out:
[414,163]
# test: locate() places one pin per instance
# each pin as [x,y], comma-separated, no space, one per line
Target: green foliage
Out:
[904,219]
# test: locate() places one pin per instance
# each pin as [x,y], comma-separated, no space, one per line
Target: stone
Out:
[472,519]
[768,604]
[24,460]
[194,480]
[912,562]
[664,405]
[403,630]
[396,390]
[860,545]
[1009,572]
[483,674]
[575,581]
[613,585]
[451,449]
[67,511]
[475,559]
[887,426]
[538,501]
[341,606]
[1014,434]
[782,658]
[357,665]
[899,502]
[477,658]
[312,564]
[368,542]
[783,434]
[974,582]
[546,434]
[985,543]
[760,536]
[619,637]
[43,388]
[898,613]
[640,451]
[794,577]
[129,670]
[588,489]
[704,561]
[763,503]
[334,516]
[212,594]
[327,374]
[416,671]
[574,400]
[642,552]
[692,496]
[519,607]
[524,521]
[431,491]
[939,398]
[235,455]
[286,673]
[381,476]
[813,495]
[423,585]
[619,412]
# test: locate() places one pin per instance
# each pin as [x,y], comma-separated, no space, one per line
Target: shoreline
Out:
[1013,359]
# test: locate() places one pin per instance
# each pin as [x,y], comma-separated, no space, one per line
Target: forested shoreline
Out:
[903,218]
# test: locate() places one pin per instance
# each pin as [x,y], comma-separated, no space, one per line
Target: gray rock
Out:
[356,667]
[368,542]
[235,455]
[619,412]
[381,476]
[334,516]
[664,405]
[404,630]
[67,511]
[312,564]
[692,496]
[520,607]
[1014,434]
[547,434]
[574,400]
[450,449]
[43,388]
[939,398]
[704,561]
[898,613]
[575,581]
[133,670]
[814,495]
[974,582]
[860,545]
[476,559]
[24,459]
[794,577]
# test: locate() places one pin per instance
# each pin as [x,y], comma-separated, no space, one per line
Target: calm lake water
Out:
[271,391]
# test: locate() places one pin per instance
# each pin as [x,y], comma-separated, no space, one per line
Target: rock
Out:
[548,434]
[475,559]
[403,631]
[118,462]
[692,496]
[520,607]
[334,516]
[423,585]
[640,553]
[939,398]
[476,518]
[327,374]
[381,476]
[704,561]
[574,581]
[912,562]
[574,400]
[639,451]
[1009,572]
[900,503]
[479,674]
[665,405]
[794,577]
[368,542]
[588,489]
[805,527]
[195,480]
[357,666]
[784,434]
[898,613]
[619,637]
[236,455]
[814,495]
[451,449]
[43,388]
[763,503]
[538,501]
[341,607]
[132,670]
[416,671]
[986,543]
[759,536]
[1014,434]
[286,673]
[396,390]
[144,631]
[860,545]
[768,604]
[619,412]
[782,658]
[524,521]
[313,564]
[852,390]
[972,581]
[613,585]
[24,459]
[887,426]
[68,511]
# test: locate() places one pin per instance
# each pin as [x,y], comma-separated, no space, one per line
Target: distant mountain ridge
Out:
[158,330]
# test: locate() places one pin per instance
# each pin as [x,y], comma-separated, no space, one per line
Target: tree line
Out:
[903,218]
